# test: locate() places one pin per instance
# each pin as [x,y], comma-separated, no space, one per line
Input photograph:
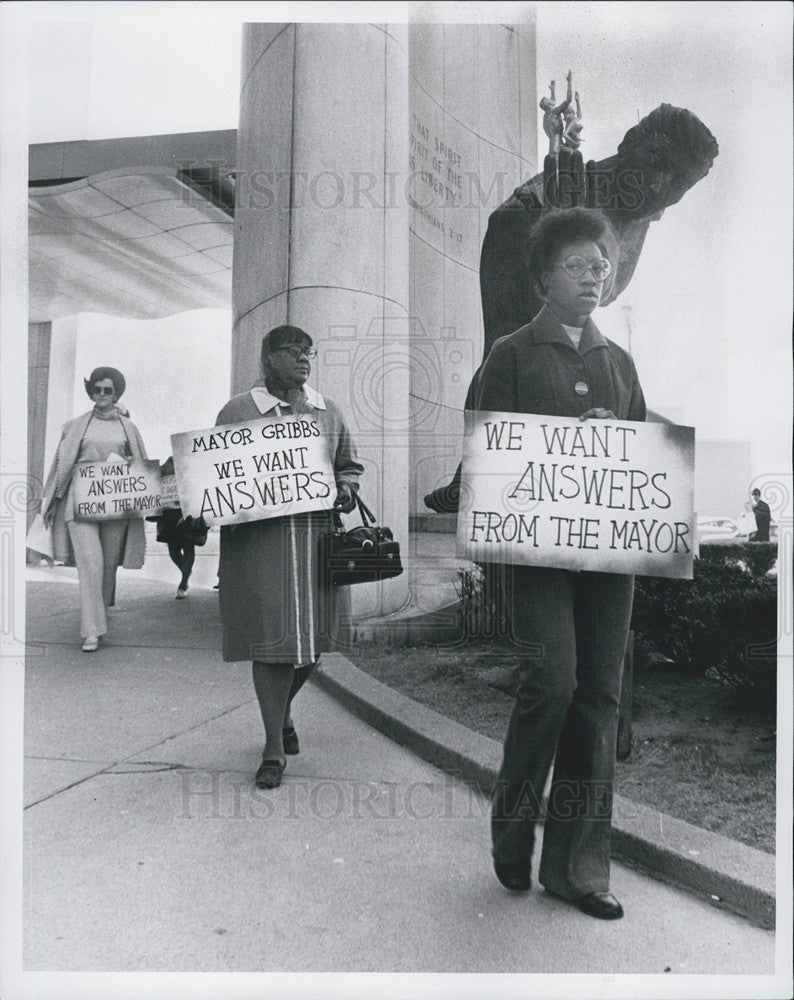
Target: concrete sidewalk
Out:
[147,846]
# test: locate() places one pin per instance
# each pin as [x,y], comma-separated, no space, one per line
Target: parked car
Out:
[716,528]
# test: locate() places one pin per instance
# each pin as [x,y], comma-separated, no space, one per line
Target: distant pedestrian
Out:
[180,534]
[98,547]
[763,517]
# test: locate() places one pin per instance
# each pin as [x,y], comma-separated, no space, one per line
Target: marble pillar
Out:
[472,141]
[39,337]
[322,236]
[61,384]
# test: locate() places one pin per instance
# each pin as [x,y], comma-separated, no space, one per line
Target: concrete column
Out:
[473,140]
[61,384]
[321,236]
[39,337]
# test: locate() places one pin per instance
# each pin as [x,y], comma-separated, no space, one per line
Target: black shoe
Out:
[269,773]
[599,904]
[290,739]
[515,877]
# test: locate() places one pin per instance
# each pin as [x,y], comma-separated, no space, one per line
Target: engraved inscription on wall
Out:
[437,183]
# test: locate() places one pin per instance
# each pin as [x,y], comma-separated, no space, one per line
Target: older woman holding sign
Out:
[98,547]
[572,626]
[275,608]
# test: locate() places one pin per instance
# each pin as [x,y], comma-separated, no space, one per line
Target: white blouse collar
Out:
[265,402]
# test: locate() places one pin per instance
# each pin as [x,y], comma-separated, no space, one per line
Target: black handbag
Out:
[365,554]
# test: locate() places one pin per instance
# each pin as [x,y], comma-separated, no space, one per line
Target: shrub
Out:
[482,603]
[757,557]
[725,620]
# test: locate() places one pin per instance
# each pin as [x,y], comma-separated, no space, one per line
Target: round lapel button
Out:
[581,388]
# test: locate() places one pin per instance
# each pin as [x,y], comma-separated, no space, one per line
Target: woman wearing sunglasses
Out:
[98,548]
[571,627]
[275,609]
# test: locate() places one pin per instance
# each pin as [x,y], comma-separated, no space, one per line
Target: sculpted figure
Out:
[657,162]
[553,123]
[572,132]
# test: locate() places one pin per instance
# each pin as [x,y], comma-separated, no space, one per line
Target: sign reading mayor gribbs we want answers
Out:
[250,471]
[603,495]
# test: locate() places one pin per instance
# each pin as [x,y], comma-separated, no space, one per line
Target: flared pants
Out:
[571,630]
[98,548]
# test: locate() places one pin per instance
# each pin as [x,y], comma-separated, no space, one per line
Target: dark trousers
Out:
[571,629]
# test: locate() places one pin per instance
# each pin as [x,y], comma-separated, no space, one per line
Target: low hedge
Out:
[758,557]
[723,621]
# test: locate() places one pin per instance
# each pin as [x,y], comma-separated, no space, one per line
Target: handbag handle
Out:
[367,517]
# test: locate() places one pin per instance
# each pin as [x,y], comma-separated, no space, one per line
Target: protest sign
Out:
[250,471]
[604,495]
[116,488]
[169,496]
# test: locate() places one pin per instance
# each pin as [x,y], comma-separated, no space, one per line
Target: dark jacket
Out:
[536,370]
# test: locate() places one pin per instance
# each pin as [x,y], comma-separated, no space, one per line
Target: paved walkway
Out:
[147,847]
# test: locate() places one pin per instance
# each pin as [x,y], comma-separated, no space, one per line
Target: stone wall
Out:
[369,157]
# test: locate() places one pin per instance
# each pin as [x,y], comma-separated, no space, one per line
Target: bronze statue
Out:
[572,132]
[657,162]
[553,122]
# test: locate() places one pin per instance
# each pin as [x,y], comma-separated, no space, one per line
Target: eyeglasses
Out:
[576,267]
[102,390]
[296,352]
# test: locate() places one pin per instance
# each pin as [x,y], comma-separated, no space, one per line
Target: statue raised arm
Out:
[572,132]
[553,122]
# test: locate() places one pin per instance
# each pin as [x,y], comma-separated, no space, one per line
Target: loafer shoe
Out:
[515,877]
[269,773]
[290,740]
[599,904]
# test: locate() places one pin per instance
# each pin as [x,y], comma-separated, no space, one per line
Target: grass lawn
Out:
[699,752]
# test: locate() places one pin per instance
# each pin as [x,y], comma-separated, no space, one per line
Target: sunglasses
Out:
[576,266]
[102,390]
[296,352]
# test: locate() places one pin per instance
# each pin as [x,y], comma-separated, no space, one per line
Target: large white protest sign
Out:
[255,470]
[115,489]
[602,495]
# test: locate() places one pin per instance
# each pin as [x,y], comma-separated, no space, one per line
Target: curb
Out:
[723,872]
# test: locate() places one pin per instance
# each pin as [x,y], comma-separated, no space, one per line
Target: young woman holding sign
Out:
[97,547]
[572,626]
[275,609]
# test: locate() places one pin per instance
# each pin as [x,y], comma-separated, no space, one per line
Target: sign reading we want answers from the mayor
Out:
[604,495]
[250,471]
[116,488]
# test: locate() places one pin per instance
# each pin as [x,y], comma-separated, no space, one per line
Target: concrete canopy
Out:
[132,227]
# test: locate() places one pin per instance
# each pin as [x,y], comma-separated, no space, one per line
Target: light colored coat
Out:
[274,606]
[59,478]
